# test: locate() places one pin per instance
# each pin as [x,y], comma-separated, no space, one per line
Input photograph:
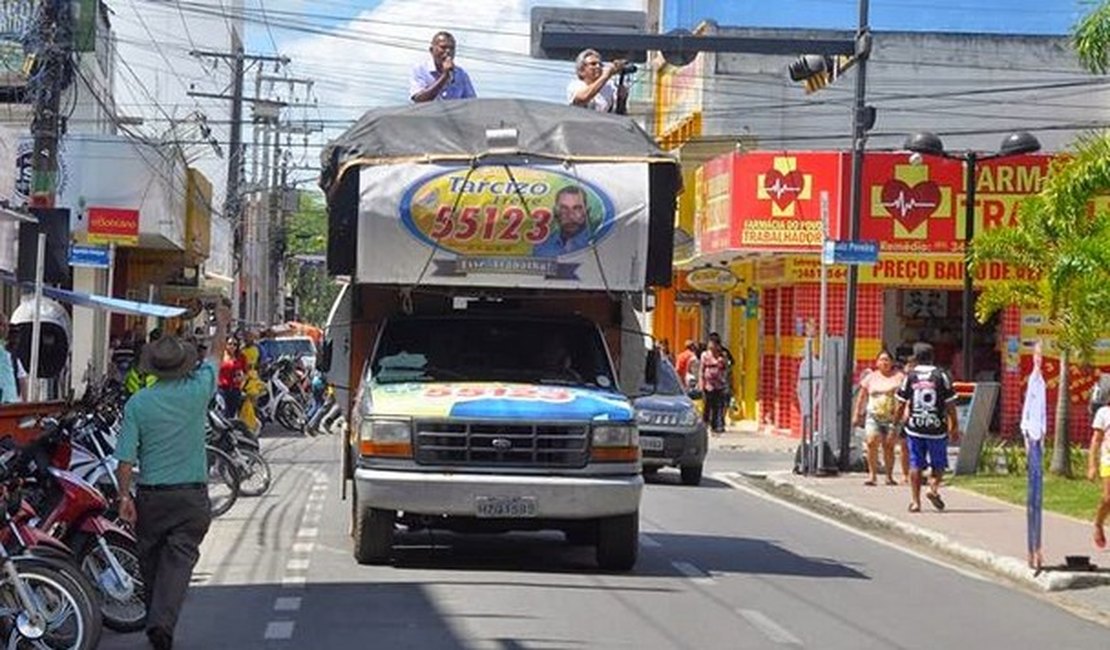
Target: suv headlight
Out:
[385,437]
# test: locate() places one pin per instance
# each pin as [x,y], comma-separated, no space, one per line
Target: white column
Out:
[88,328]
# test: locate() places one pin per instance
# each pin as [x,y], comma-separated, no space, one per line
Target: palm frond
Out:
[1091,37]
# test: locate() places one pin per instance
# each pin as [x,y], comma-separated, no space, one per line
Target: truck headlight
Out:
[616,435]
[385,437]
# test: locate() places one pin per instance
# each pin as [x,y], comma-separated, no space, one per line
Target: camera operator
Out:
[594,87]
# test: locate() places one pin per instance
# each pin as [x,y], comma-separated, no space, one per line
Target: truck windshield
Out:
[528,351]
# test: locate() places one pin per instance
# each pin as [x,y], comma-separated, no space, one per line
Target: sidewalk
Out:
[749,436]
[981,530]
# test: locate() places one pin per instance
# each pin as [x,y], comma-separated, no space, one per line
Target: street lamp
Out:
[929,144]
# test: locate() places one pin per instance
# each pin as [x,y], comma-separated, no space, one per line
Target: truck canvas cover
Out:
[500,193]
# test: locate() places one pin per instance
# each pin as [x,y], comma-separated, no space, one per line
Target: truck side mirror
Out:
[651,367]
[324,362]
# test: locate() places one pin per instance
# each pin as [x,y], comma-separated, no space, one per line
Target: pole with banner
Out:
[1034,423]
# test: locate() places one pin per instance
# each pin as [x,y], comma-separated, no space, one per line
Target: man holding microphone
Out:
[443,79]
[594,87]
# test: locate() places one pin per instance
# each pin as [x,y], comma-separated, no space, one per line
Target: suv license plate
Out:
[506,507]
[647,443]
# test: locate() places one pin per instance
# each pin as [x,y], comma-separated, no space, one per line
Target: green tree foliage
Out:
[307,234]
[1064,246]
[1091,37]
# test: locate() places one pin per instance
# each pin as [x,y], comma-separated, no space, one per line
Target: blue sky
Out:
[1006,16]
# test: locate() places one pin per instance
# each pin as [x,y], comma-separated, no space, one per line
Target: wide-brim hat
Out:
[168,358]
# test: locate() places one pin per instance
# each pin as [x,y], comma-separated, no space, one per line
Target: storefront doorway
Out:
[936,316]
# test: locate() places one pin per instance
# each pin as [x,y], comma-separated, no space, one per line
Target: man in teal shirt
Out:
[163,433]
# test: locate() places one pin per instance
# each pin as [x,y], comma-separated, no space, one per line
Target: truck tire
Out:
[373,542]
[691,474]
[618,542]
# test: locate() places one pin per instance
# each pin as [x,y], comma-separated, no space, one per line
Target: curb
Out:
[1005,566]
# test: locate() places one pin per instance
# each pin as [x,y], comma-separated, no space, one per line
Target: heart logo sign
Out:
[783,188]
[911,206]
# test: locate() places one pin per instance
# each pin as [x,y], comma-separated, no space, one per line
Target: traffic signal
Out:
[816,71]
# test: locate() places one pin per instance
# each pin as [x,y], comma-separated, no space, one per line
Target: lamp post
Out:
[929,144]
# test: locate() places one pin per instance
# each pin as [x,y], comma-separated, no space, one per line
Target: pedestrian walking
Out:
[712,372]
[876,409]
[163,433]
[233,372]
[929,419]
[1098,469]
[687,358]
[9,368]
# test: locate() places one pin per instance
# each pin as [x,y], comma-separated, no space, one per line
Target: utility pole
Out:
[54,32]
[862,119]
[233,195]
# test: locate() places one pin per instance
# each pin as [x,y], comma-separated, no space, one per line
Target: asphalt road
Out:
[720,567]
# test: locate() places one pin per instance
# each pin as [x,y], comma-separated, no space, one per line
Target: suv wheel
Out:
[373,543]
[618,542]
[691,474]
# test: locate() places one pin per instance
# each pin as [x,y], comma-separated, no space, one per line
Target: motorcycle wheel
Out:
[72,620]
[290,415]
[254,472]
[122,614]
[223,481]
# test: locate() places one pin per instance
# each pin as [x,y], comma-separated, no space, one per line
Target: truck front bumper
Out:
[457,494]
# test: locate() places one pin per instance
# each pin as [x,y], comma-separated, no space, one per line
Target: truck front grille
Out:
[501,444]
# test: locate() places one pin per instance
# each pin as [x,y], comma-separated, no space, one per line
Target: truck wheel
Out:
[618,542]
[691,474]
[651,470]
[373,535]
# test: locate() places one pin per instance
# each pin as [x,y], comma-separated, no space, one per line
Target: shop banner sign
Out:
[579,227]
[712,280]
[921,208]
[113,226]
[777,201]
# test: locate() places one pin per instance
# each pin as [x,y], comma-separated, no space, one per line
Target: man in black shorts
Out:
[929,418]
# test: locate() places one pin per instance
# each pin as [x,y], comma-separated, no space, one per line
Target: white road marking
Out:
[690,571]
[725,478]
[279,631]
[769,628]
[318,487]
[287,604]
[647,542]
[294,581]
[304,548]
[313,506]
[297,565]
[308,532]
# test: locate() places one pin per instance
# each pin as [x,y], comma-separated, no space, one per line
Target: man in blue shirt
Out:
[163,432]
[573,214]
[442,79]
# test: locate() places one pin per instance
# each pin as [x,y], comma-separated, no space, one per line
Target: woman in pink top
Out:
[877,410]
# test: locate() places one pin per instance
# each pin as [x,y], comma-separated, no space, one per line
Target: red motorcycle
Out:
[65,508]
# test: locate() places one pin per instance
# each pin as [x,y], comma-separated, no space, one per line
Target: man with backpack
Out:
[929,418]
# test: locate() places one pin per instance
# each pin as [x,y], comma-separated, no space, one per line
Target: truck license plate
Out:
[506,507]
[651,444]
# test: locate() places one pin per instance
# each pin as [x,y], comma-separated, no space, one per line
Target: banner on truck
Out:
[579,227]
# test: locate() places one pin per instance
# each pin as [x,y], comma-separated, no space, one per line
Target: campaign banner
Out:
[517,225]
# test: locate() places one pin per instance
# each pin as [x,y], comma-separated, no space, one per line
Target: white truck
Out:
[494,252]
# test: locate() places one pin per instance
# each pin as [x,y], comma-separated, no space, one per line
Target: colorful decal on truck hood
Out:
[499,401]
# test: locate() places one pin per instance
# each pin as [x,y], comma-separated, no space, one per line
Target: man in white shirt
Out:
[594,87]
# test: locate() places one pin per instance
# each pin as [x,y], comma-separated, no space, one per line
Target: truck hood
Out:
[499,401]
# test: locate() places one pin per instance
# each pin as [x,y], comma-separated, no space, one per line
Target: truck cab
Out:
[496,422]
